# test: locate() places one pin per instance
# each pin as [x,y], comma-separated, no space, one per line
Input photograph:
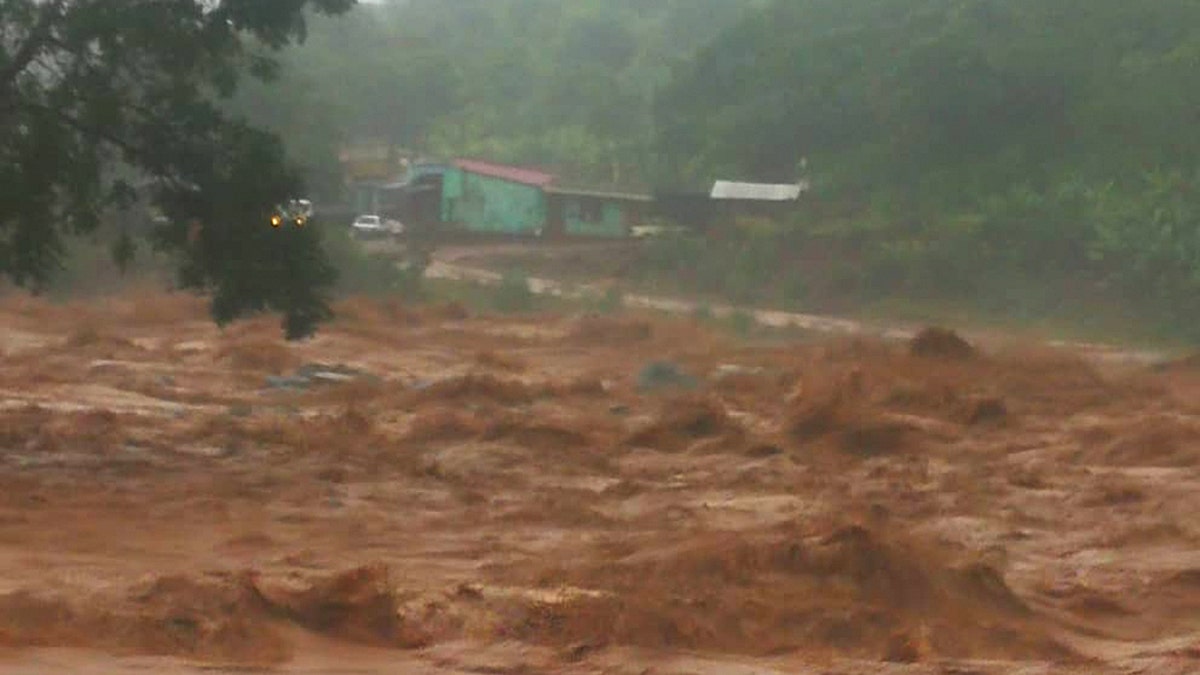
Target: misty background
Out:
[1019,157]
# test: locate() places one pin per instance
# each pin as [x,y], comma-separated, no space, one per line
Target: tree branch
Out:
[88,131]
[28,51]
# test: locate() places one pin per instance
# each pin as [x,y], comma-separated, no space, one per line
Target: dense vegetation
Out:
[106,104]
[1026,156]
[1022,155]
[977,148]
[546,82]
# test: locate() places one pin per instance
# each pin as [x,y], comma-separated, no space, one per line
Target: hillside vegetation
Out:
[1021,153]
[1024,157]
[563,84]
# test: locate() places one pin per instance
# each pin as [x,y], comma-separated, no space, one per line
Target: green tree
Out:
[892,90]
[1046,143]
[567,85]
[562,84]
[94,92]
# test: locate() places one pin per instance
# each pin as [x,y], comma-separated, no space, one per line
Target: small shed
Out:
[759,192]
[734,199]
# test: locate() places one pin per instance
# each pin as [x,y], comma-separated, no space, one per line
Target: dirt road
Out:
[600,495]
[478,264]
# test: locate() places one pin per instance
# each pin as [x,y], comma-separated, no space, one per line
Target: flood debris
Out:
[310,374]
[936,342]
[594,329]
[683,420]
[659,375]
[477,387]
[729,370]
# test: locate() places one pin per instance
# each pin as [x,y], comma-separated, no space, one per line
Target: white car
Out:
[374,226]
[647,231]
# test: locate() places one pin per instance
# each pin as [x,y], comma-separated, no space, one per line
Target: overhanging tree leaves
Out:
[90,89]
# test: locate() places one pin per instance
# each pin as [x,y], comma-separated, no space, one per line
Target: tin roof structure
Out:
[765,192]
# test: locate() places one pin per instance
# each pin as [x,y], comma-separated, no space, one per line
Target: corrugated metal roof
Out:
[514,174]
[766,192]
[624,193]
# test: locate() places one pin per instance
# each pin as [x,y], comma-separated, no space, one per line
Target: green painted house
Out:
[488,198]
[491,198]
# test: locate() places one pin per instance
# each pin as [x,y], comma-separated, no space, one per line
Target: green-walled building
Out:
[488,198]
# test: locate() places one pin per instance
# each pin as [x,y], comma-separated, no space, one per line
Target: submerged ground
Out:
[420,490]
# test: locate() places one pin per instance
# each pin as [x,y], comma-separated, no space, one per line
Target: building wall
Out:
[486,204]
[583,216]
[364,199]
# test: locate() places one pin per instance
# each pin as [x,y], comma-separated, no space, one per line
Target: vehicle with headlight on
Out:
[297,212]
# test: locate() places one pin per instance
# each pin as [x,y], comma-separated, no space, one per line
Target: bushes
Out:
[1147,237]
[744,268]
[361,272]
[674,254]
[1061,251]
[513,294]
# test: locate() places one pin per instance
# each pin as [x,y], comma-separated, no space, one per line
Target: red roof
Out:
[514,174]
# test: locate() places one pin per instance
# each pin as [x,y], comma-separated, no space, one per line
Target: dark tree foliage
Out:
[906,87]
[565,84]
[552,83]
[1032,140]
[95,91]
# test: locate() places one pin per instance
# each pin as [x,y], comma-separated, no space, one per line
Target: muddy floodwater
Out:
[424,490]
